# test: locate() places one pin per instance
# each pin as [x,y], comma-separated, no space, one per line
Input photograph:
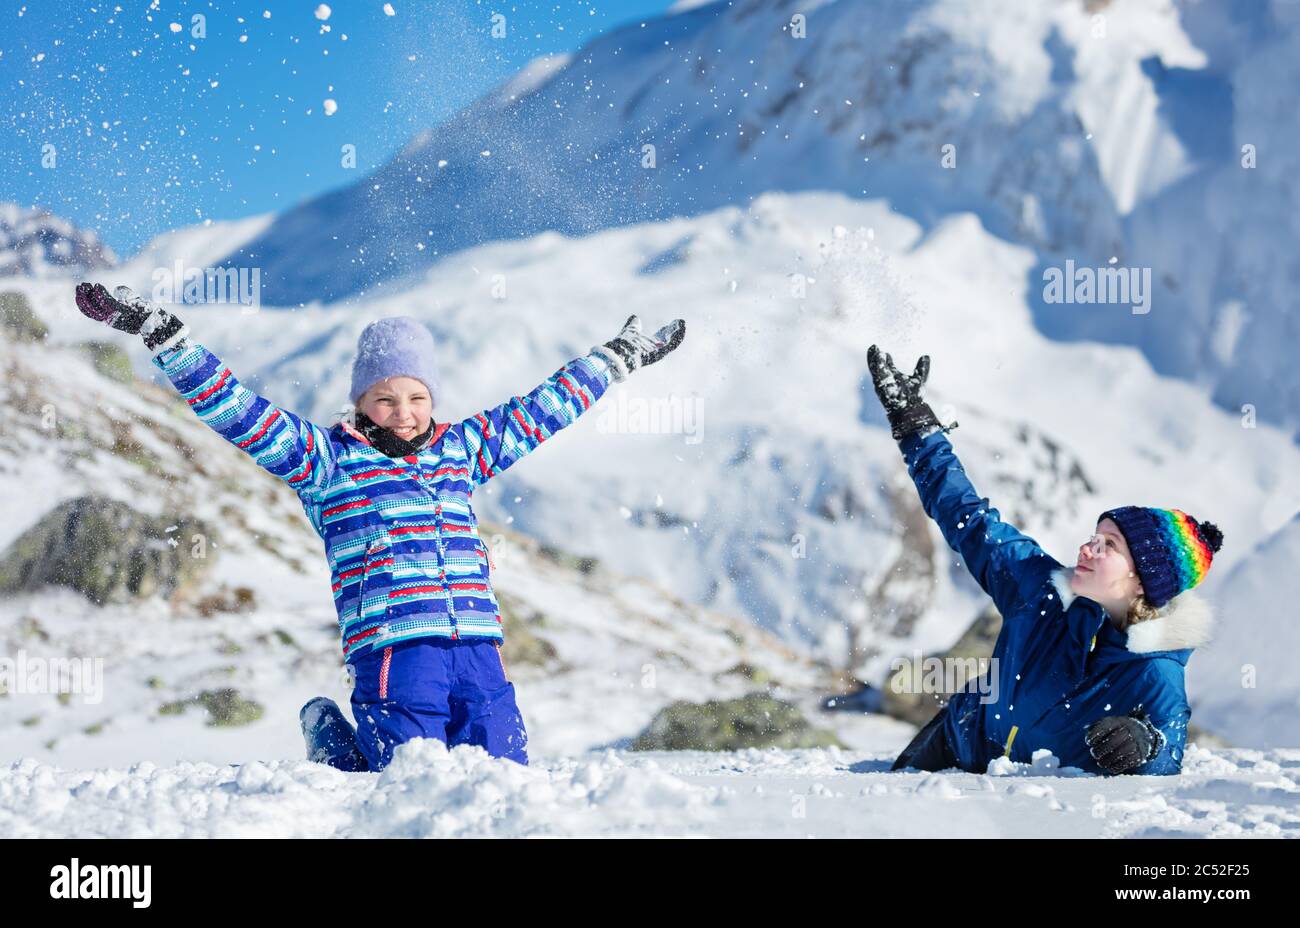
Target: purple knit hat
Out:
[396,346]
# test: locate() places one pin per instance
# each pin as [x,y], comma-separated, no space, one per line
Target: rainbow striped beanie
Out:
[1172,550]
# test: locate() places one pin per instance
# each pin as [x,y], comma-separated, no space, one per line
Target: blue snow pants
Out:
[452,690]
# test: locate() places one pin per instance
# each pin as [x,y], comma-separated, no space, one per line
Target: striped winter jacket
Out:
[405,556]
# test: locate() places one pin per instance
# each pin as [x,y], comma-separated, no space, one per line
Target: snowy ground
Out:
[432,792]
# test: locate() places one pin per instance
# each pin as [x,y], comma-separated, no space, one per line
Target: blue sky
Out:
[152,128]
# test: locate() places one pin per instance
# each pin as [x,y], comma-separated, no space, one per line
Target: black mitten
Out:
[632,349]
[127,312]
[901,396]
[1121,742]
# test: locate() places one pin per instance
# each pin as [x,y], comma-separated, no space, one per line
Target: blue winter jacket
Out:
[406,560]
[1060,662]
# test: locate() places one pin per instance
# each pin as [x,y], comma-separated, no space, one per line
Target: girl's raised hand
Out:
[901,395]
[633,349]
[127,312]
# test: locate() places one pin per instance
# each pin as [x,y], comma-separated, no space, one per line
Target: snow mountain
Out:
[36,243]
[1104,134]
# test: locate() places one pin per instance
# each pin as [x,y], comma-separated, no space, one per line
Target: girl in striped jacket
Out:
[390,495]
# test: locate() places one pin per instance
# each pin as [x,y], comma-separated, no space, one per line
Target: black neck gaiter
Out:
[388,443]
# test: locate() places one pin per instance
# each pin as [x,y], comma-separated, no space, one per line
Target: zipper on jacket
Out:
[442,566]
[417,466]
[373,548]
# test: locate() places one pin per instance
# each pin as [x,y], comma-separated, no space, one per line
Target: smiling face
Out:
[400,404]
[1104,571]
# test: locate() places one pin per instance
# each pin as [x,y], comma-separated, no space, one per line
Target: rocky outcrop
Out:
[758,720]
[904,701]
[225,707]
[36,243]
[17,320]
[108,552]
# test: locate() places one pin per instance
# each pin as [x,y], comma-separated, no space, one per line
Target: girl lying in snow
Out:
[389,494]
[1090,660]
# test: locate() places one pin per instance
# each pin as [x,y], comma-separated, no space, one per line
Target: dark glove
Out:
[901,396]
[632,349]
[1119,742]
[127,312]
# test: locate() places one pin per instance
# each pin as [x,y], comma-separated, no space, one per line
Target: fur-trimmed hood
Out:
[1186,621]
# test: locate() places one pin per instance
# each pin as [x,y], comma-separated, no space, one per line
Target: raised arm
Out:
[496,438]
[1007,564]
[285,445]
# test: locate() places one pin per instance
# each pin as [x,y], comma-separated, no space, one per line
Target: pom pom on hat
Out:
[1213,537]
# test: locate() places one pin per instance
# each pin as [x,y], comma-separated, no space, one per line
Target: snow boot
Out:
[330,737]
[865,699]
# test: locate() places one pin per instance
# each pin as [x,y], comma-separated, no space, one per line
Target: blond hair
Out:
[1140,610]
